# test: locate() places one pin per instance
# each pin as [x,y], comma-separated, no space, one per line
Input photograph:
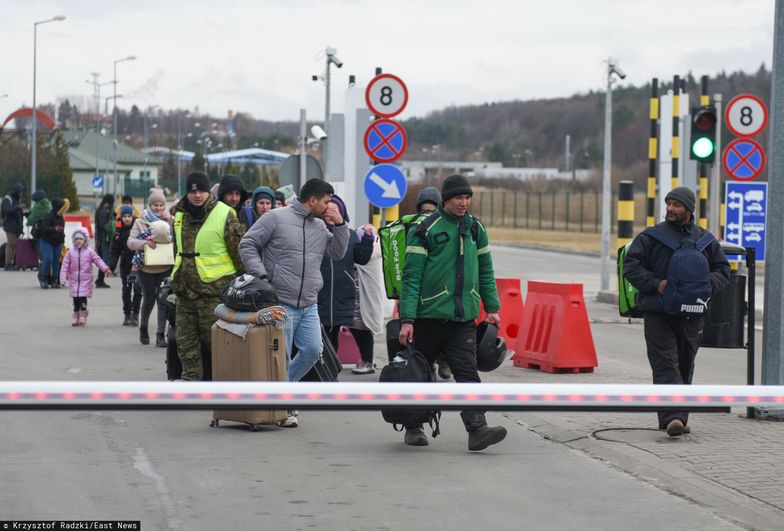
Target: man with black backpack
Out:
[677,267]
[448,270]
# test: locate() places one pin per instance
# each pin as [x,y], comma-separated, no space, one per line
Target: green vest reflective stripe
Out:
[212,255]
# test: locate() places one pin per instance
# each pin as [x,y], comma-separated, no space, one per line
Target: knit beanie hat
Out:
[38,195]
[264,191]
[197,182]
[684,196]
[57,204]
[280,197]
[341,206]
[455,185]
[429,194]
[126,209]
[156,196]
[127,199]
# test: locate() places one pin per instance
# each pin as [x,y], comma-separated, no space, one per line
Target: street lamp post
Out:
[114,120]
[179,151]
[332,59]
[97,88]
[114,142]
[34,142]
[612,68]
[149,109]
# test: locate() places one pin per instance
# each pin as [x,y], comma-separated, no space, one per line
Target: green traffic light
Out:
[703,148]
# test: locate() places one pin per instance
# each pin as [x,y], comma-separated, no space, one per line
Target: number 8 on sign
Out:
[746,115]
[386,95]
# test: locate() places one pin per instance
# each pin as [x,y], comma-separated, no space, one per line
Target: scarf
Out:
[149,216]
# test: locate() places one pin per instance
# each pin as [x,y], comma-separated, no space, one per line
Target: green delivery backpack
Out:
[393,251]
[627,294]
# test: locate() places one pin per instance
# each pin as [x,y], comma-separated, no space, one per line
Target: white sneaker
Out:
[364,367]
[290,422]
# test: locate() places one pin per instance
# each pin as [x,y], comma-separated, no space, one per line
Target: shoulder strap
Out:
[475,228]
[421,230]
[248,214]
[662,237]
[704,241]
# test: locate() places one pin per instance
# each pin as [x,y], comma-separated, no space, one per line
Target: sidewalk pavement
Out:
[728,463]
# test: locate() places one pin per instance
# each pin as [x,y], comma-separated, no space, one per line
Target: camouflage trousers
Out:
[194,330]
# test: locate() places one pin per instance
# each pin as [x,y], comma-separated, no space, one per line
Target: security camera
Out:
[332,58]
[318,133]
[617,70]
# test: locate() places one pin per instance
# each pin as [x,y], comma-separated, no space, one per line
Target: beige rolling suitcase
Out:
[260,356]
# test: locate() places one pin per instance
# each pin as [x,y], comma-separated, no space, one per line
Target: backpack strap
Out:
[248,214]
[704,241]
[422,228]
[662,237]
[475,228]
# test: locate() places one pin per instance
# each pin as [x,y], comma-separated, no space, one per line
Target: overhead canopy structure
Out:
[240,156]
[26,112]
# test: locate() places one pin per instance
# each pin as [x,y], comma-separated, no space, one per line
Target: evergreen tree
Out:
[198,162]
[62,166]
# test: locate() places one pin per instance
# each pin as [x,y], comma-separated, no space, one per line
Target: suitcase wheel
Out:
[214,423]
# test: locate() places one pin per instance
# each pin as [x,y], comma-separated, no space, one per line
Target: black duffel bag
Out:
[247,293]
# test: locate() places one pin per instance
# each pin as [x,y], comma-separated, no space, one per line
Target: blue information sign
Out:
[746,209]
[385,185]
[98,181]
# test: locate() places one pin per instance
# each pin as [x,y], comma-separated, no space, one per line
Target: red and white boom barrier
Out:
[373,396]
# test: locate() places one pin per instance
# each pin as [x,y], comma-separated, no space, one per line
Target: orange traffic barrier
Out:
[511,313]
[82,219]
[556,331]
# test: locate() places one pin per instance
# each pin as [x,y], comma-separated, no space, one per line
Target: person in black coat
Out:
[232,192]
[337,296]
[131,290]
[672,340]
[104,233]
[12,209]
[50,231]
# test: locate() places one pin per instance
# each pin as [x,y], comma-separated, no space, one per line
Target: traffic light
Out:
[703,134]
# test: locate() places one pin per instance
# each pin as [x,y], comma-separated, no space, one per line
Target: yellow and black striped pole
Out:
[703,166]
[625,213]
[653,150]
[676,118]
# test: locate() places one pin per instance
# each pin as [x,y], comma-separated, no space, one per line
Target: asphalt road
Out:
[338,470]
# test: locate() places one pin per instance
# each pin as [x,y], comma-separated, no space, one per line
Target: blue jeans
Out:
[50,257]
[303,329]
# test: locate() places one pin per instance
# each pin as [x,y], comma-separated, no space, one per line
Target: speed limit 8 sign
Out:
[746,115]
[386,95]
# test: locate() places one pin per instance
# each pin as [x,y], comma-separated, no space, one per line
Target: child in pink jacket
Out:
[77,272]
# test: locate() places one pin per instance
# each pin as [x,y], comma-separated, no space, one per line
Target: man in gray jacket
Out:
[286,246]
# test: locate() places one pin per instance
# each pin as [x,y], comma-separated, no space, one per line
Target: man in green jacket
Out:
[448,270]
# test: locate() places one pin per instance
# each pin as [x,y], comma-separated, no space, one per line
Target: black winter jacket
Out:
[119,251]
[336,298]
[49,231]
[647,262]
[14,216]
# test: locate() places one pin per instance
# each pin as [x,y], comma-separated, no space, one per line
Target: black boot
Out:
[144,337]
[44,284]
[415,437]
[480,435]
[134,318]
[127,320]
[160,340]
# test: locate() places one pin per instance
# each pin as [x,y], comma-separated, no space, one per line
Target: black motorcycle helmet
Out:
[490,349]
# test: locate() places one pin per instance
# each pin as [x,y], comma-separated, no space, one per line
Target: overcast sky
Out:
[258,56]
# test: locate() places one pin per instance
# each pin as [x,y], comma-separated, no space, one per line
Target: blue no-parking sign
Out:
[385,140]
[385,185]
[745,212]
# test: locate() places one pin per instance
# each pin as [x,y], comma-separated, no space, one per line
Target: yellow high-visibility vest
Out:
[211,254]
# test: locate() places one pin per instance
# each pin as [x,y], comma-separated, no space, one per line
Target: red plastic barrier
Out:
[83,219]
[348,351]
[556,331]
[511,311]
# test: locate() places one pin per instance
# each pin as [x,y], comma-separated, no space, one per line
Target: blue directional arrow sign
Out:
[746,209]
[385,185]
[98,181]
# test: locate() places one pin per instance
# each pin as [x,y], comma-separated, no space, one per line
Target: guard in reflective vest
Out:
[206,238]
